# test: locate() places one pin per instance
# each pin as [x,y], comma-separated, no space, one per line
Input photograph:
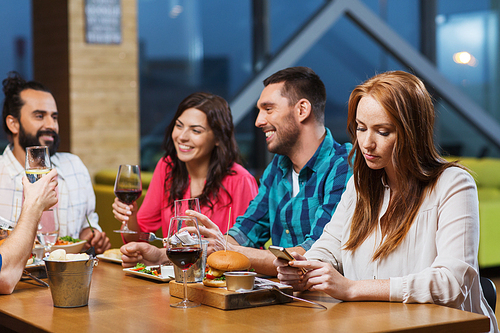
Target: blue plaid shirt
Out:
[296,221]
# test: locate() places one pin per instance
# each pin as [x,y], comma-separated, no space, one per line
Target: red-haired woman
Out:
[407,226]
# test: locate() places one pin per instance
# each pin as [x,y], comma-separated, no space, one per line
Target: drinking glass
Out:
[48,229]
[182,205]
[37,162]
[37,165]
[128,188]
[193,273]
[184,249]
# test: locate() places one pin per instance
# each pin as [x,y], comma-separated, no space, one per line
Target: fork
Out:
[149,237]
[43,283]
[297,298]
[90,225]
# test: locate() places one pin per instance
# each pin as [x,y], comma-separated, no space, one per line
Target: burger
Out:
[223,261]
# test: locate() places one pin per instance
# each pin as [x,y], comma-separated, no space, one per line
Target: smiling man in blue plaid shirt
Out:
[301,187]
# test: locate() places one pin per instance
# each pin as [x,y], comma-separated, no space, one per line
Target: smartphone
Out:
[282,253]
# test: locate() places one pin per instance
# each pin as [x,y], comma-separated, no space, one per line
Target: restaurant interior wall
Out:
[95,85]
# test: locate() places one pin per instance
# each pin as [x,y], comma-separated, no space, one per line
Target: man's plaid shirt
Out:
[296,221]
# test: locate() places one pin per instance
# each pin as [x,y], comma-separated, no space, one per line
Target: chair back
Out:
[490,292]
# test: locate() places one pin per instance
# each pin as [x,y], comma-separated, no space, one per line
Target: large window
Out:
[188,46]
[198,45]
[15,43]
[467,55]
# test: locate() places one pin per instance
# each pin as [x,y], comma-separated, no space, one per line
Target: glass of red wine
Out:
[184,249]
[128,188]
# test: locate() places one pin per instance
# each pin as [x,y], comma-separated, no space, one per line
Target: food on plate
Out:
[31,259]
[60,254]
[223,261]
[113,254]
[3,235]
[140,267]
[67,240]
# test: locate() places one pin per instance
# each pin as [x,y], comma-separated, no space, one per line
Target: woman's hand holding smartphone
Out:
[282,253]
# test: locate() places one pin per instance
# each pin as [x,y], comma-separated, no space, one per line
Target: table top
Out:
[125,303]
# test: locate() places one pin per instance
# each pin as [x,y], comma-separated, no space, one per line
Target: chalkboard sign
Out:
[103,21]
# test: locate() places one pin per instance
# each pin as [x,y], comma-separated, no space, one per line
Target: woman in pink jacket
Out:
[201,161]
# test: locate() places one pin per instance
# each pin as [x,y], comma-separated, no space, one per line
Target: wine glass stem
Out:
[184,273]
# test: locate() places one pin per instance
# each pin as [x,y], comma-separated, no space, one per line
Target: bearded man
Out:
[30,119]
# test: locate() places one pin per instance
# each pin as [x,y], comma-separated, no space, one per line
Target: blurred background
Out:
[221,46]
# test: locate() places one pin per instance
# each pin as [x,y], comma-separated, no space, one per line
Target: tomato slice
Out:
[137,269]
[210,276]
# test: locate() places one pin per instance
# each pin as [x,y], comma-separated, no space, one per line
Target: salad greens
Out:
[140,267]
[70,239]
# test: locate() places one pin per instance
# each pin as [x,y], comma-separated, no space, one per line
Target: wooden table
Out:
[124,303]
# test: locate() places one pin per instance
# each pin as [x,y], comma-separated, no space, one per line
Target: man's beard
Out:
[28,140]
[287,137]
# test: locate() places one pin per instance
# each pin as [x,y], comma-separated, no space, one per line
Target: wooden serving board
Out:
[230,300]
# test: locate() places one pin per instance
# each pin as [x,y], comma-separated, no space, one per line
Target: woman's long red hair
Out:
[416,160]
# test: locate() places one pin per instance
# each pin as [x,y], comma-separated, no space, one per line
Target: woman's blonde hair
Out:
[416,160]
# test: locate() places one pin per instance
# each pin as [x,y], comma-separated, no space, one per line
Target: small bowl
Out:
[70,248]
[240,280]
[167,271]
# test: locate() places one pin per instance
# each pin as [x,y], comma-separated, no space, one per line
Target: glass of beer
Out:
[37,162]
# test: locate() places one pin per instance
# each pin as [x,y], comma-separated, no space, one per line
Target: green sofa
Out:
[486,172]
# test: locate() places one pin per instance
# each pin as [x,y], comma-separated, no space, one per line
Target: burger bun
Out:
[228,261]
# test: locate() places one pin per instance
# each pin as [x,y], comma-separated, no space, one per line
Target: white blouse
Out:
[437,260]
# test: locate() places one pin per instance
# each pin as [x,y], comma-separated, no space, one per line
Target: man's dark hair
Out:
[302,82]
[13,85]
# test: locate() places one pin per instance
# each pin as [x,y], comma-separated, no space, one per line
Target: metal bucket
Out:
[69,281]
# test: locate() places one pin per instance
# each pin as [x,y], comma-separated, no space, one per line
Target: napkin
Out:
[184,239]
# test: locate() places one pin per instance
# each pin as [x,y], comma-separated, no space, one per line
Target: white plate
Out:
[103,257]
[169,270]
[70,248]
